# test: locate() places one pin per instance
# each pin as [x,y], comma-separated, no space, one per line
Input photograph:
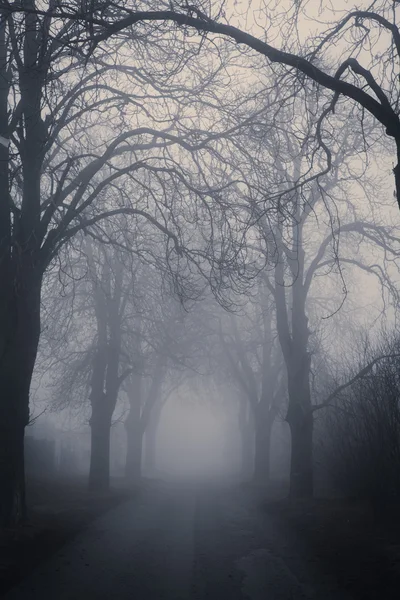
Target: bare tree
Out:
[299,252]
[67,168]
[255,362]
[159,345]
[110,298]
[53,187]
[372,89]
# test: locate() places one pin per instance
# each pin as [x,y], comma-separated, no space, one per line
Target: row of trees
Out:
[79,148]
[163,156]
[119,335]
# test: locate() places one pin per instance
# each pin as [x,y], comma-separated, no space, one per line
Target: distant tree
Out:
[298,250]
[311,227]
[126,335]
[143,403]
[158,350]
[255,363]
[110,296]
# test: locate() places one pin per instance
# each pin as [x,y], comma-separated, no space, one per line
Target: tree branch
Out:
[359,375]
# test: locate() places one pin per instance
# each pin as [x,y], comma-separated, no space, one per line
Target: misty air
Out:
[200,300]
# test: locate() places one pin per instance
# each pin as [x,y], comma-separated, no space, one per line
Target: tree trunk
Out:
[134,430]
[134,441]
[299,415]
[262,456]
[12,473]
[133,465]
[100,425]
[19,340]
[301,424]
[150,454]
[246,429]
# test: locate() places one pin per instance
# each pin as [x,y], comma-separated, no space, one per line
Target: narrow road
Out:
[179,541]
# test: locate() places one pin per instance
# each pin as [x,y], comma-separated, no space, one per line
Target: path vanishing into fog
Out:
[181,541]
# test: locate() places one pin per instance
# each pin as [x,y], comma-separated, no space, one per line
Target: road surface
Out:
[178,541]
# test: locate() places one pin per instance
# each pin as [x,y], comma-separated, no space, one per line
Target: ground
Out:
[181,541]
[362,551]
[58,511]
[184,540]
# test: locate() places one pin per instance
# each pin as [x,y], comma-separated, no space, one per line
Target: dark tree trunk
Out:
[133,465]
[301,471]
[12,474]
[21,263]
[262,455]
[301,423]
[150,417]
[100,426]
[18,342]
[134,431]
[246,429]
[299,416]
[247,462]
[150,454]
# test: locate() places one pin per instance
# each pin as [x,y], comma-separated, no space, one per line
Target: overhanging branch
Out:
[359,375]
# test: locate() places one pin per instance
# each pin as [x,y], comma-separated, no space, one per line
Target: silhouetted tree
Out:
[255,364]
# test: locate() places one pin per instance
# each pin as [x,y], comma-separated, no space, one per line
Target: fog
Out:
[191,442]
[199,308]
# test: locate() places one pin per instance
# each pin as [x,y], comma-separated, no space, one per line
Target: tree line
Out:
[125,134]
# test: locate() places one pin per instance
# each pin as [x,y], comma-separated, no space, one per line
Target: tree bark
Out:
[133,465]
[293,337]
[134,432]
[301,471]
[301,423]
[246,430]
[21,272]
[19,343]
[150,454]
[262,455]
[105,381]
[12,473]
[100,424]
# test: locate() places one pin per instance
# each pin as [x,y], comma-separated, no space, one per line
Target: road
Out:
[181,541]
